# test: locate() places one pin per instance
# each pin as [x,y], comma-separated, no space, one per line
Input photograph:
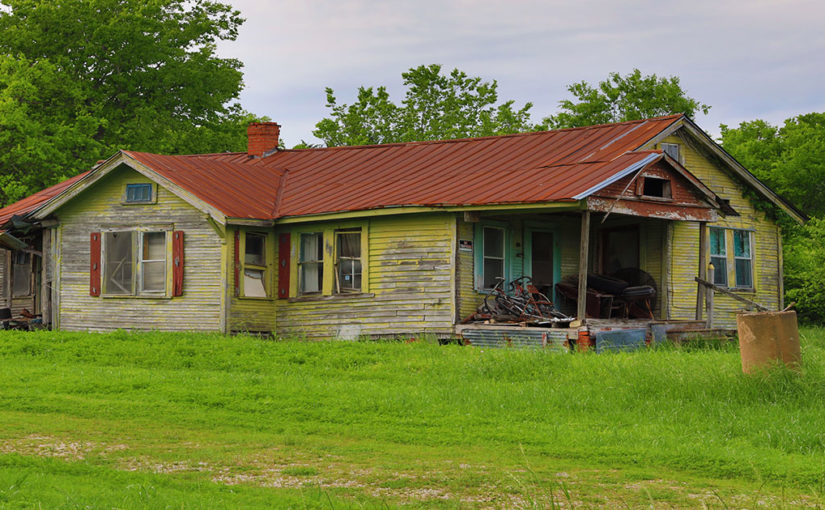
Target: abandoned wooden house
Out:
[395,239]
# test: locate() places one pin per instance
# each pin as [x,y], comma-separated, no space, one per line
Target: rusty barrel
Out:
[766,338]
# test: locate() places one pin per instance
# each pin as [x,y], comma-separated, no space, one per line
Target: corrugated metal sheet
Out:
[548,166]
[552,339]
[28,204]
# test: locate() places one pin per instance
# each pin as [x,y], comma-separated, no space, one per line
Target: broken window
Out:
[311,263]
[739,256]
[254,273]
[21,274]
[492,256]
[118,263]
[656,187]
[126,251]
[348,261]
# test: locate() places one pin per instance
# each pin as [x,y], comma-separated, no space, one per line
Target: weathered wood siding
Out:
[248,314]
[99,207]
[468,298]
[410,265]
[684,265]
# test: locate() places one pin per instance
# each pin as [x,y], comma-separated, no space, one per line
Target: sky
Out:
[748,59]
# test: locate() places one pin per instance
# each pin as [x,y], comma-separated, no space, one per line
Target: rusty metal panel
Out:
[551,339]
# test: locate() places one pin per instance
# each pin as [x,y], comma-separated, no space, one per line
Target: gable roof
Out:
[530,168]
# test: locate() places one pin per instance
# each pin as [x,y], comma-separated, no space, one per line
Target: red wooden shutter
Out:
[94,264]
[283,266]
[237,262]
[177,263]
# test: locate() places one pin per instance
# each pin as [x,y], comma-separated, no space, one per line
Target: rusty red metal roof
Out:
[32,202]
[548,166]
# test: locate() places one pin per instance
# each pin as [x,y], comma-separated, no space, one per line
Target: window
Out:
[348,269]
[492,256]
[311,263]
[254,273]
[743,258]
[718,256]
[21,274]
[134,263]
[656,187]
[139,193]
[739,257]
[672,150]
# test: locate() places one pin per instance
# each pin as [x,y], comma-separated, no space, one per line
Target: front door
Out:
[620,249]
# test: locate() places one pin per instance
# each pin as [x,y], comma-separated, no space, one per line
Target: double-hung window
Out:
[348,268]
[134,263]
[718,256]
[21,274]
[311,263]
[732,249]
[492,256]
[254,272]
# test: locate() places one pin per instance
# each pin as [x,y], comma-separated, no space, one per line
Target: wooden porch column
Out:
[703,265]
[583,251]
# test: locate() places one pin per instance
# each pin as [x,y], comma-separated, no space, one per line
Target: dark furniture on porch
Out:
[629,293]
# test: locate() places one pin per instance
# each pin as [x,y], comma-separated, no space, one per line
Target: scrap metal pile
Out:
[522,303]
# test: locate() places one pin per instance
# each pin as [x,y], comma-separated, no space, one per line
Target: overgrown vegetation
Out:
[194,420]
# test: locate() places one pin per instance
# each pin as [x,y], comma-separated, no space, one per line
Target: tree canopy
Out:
[622,98]
[83,78]
[436,106]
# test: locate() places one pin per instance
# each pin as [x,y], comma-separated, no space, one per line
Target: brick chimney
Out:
[262,137]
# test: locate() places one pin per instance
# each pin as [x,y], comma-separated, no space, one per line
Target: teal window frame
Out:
[135,193]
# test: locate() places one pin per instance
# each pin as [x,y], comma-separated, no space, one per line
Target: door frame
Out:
[529,228]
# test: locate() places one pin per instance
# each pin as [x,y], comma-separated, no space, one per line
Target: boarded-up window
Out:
[348,261]
[21,274]
[492,256]
[118,247]
[311,263]
[254,273]
[153,262]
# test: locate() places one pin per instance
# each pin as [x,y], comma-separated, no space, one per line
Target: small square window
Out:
[139,193]
[656,187]
[672,150]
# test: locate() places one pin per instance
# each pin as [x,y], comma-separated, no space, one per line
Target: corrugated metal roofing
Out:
[548,166]
[32,202]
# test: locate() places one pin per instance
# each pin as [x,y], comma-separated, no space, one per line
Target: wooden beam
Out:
[716,288]
[584,248]
[703,265]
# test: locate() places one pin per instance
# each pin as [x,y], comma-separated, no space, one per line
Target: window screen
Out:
[118,262]
[348,273]
[311,263]
[21,274]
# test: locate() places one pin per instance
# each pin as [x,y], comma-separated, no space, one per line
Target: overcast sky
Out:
[747,59]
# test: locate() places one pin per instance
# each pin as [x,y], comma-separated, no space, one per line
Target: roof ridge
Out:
[479,138]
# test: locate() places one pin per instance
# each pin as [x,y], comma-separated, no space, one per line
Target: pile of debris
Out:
[522,303]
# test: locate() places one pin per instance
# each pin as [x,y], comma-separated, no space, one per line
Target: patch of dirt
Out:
[48,446]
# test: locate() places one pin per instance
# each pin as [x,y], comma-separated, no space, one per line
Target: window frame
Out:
[665,146]
[303,262]
[730,257]
[29,271]
[136,280]
[330,250]
[266,268]
[480,257]
[337,258]
[153,193]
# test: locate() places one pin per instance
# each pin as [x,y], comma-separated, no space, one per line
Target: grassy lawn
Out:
[183,420]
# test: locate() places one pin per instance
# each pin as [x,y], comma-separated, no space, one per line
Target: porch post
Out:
[583,251]
[703,265]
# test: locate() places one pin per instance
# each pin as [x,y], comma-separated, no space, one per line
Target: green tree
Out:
[136,74]
[436,106]
[623,98]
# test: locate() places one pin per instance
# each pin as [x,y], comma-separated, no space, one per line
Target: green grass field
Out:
[196,421]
